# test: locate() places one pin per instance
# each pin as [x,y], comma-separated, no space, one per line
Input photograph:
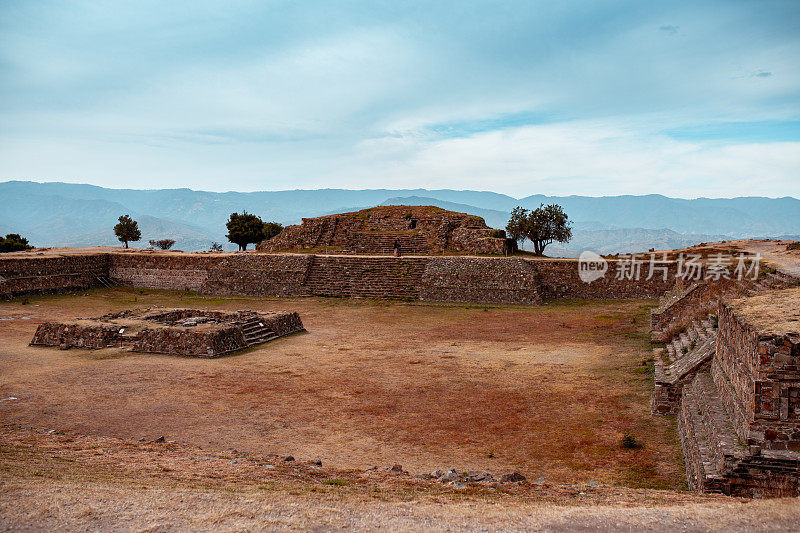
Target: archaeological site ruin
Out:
[412,230]
[726,361]
[190,332]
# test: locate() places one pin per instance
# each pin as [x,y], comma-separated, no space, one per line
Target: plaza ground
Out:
[545,390]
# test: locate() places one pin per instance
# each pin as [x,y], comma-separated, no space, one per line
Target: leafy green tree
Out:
[14,242]
[271,229]
[245,229]
[127,230]
[542,226]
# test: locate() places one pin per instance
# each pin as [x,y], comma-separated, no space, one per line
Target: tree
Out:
[516,224]
[271,229]
[216,247]
[14,242]
[164,244]
[543,225]
[244,229]
[127,230]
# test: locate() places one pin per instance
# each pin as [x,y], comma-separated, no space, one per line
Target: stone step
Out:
[709,441]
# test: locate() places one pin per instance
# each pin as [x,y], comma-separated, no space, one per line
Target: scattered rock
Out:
[450,475]
[318,462]
[160,439]
[436,474]
[593,484]
[458,485]
[288,458]
[396,469]
[513,477]
[539,481]
[475,477]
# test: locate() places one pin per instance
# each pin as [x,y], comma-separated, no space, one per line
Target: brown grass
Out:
[772,312]
[549,390]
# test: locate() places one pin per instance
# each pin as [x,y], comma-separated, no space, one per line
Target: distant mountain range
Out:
[64,214]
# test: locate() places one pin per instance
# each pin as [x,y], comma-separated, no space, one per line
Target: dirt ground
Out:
[547,390]
[55,481]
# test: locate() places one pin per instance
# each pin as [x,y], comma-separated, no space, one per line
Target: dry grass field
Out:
[548,391]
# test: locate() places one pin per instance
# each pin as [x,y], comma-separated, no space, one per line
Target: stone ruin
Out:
[189,332]
[732,377]
[414,230]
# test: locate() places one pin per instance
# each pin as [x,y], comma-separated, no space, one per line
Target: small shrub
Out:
[684,350]
[336,482]
[793,246]
[216,247]
[164,244]
[629,442]
[498,233]
[715,321]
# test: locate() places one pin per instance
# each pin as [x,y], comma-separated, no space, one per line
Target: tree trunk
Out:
[126,244]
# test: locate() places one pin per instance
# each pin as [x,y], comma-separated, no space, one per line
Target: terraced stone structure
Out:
[189,332]
[383,230]
[736,390]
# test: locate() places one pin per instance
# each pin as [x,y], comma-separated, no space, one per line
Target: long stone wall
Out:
[428,278]
[52,274]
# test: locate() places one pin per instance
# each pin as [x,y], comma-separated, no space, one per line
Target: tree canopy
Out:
[13,242]
[248,228]
[542,226]
[127,230]
[164,244]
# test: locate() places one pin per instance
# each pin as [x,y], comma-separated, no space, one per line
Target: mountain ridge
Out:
[56,213]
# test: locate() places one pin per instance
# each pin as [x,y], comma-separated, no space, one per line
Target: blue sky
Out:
[685,99]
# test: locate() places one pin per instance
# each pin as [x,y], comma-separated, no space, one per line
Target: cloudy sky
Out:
[686,99]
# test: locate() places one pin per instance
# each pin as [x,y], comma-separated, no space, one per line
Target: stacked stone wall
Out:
[76,335]
[259,275]
[161,271]
[473,279]
[758,375]
[214,343]
[32,275]
[696,302]
[560,279]
[433,278]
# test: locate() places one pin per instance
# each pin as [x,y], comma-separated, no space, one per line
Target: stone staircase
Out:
[675,364]
[365,277]
[326,232]
[254,330]
[383,243]
[680,304]
[708,436]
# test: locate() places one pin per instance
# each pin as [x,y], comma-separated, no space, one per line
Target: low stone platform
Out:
[189,332]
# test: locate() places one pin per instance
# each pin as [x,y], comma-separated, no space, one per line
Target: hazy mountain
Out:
[62,213]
